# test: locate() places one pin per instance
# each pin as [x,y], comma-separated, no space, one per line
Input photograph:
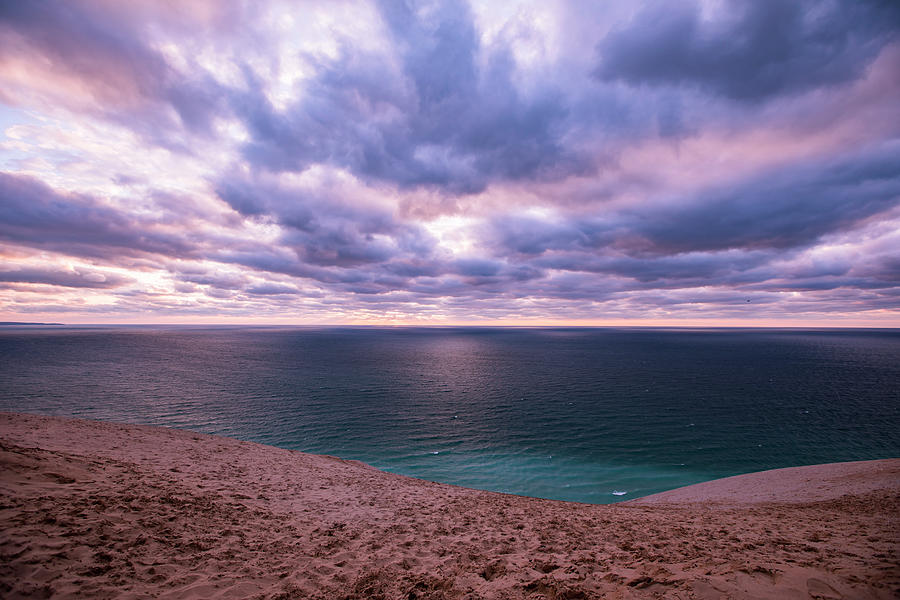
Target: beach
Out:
[96,510]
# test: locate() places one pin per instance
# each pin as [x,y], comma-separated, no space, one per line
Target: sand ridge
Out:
[103,510]
[796,484]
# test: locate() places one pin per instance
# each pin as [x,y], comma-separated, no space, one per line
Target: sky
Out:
[702,162]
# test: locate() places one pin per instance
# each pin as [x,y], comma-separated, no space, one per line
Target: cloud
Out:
[786,207]
[64,278]
[477,267]
[749,51]
[222,281]
[35,215]
[781,209]
[324,228]
[271,289]
[682,270]
[448,160]
[97,58]
[440,111]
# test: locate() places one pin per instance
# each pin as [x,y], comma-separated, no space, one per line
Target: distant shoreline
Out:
[99,509]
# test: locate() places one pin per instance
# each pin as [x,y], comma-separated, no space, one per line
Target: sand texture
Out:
[99,510]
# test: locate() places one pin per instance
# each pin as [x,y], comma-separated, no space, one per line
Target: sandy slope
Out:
[798,484]
[102,510]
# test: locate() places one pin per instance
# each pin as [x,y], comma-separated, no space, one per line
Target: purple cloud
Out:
[443,120]
[450,161]
[788,207]
[73,279]
[35,215]
[749,51]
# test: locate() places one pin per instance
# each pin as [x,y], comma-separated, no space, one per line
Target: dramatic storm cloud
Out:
[450,162]
[756,50]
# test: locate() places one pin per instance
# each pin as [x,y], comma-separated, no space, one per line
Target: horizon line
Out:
[503,325]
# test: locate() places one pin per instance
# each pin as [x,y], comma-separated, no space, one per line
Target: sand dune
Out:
[97,510]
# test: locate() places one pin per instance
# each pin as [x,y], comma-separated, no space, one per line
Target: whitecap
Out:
[618,493]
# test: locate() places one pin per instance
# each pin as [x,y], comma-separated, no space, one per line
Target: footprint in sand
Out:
[819,590]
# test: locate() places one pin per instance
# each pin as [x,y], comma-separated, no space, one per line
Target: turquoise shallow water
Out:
[592,415]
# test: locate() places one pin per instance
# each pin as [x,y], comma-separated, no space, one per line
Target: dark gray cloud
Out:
[478,267]
[74,279]
[787,207]
[271,289]
[664,271]
[883,269]
[750,50]
[33,214]
[445,120]
[325,229]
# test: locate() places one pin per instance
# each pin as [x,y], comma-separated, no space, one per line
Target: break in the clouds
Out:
[447,162]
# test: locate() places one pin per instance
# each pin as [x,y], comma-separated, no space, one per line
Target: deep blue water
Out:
[573,414]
